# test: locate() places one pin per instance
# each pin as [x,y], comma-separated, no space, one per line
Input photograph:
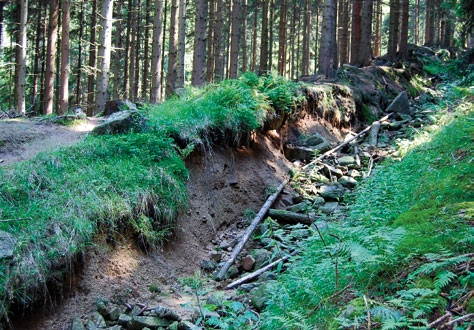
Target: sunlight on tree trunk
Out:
[66,22]
[21,65]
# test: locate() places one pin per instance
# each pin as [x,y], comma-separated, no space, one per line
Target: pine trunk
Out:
[264,39]
[270,34]
[105,47]
[219,42]
[377,27]
[146,52]
[403,51]
[235,40]
[118,53]
[50,57]
[162,75]
[200,38]
[393,32]
[92,61]
[356,30]
[343,35]
[181,44]
[39,38]
[64,92]
[173,49]
[282,37]
[253,64]
[156,59]
[328,40]
[211,49]
[79,55]
[243,36]
[21,70]
[365,50]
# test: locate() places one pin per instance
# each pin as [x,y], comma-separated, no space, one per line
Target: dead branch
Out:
[291,217]
[460,319]
[440,320]
[258,218]
[374,133]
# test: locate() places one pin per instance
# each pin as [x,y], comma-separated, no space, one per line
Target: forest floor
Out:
[224,183]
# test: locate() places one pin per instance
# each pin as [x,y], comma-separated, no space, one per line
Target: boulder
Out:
[77,324]
[347,182]
[121,122]
[151,322]
[186,325]
[7,245]
[293,152]
[114,106]
[165,313]
[346,160]
[329,207]
[313,140]
[400,104]
[248,262]
[333,193]
[262,257]
[209,265]
[330,171]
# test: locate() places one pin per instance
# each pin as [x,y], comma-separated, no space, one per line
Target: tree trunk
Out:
[219,42]
[38,58]
[105,47]
[328,40]
[429,23]
[378,28]
[253,65]
[173,49]
[365,50]
[138,60]
[270,34]
[199,56]
[282,37]
[133,49]
[79,55]
[66,22]
[403,51]
[50,57]
[211,49]
[343,28]
[118,54]
[155,94]
[393,32]
[21,71]
[181,44]
[2,4]
[243,37]
[128,51]
[92,61]
[264,39]
[146,52]
[293,59]
[235,40]
[356,30]
[162,76]
[291,217]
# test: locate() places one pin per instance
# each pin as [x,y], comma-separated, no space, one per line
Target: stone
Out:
[323,147]
[248,262]
[347,182]
[395,125]
[293,153]
[317,201]
[262,257]
[124,319]
[354,174]
[233,272]
[259,298]
[247,287]
[208,265]
[77,324]
[151,322]
[329,207]
[115,327]
[313,140]
[330,171]
[165,313]
[174,326]
[226,244]
[114,106]
[98,320]
[186,325]
[400,104]
[216,256]
[114,314]
[318,177]
[120,123]
[346,160]
[101,307]
[333,192]
[7,245]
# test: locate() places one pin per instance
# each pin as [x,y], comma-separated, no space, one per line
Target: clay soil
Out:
[224,184]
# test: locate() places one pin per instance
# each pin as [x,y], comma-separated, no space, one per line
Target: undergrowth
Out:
[55,203]
[403,258]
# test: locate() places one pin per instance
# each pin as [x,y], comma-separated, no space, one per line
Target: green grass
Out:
[396,256]
[56,202]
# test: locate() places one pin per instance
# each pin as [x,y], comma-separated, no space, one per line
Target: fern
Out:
[443,279]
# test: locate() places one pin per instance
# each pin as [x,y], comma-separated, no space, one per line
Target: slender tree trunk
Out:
[219,42]
[181,44]
[429,23]
[2,4]
[270,34]
[146,52]
[133,50]
[377,27]
[365,48]
[211,49]
[306,37]
[316,42]
[66,22]
[92,61]
[118,53]
[162,76]
[79,55]
[138,60]
[39,37]
[393,33]
[282,37]
[235,40]
[21,71]
[343,35]
[328,39]
[199,56]
[417,23]
[404,30]
[356,30]
[156,59]
[50,57]
[253,65]
[243,36]
[173,49]
[264,39]
[128,51]
[105,46]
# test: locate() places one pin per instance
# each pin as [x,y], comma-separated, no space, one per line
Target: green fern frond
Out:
[444,278]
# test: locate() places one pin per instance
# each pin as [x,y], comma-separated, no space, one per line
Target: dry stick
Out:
[258,218]
[368,312]
[462,318]
[440,320]
[257,273]
[327,153]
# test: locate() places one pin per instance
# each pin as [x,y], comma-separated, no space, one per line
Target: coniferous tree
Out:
[118,53]
[219,42]
[181,44]
[20,88]
[403,48]
[65,24]
[173,49]
[155,94]
[327,49]
[393,29]
[235,40]
[199,55]
[51,57]
[92,61]
[282,37]
[264,38]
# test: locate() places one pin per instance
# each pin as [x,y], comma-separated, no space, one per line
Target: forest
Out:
[236,164]
[60,55]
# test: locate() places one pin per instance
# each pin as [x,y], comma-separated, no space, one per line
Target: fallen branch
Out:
[257,273]
[374,133]
[459,319]
[440,320]
[291,217]
[258,218]
[19,219]
[327,153]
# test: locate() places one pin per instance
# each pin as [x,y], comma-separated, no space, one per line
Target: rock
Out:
[208,265]
[114,314]
[165,313]
[329,207]
[330,171]
[115,327]
[248,262]
[354,174]
[334,193]
[248,286]
[259,298]
[226,244]
[347,182]
[300,207]
[77,324]
[323,147]
[318,177]
[293,153]
[186,325]
[216,256]
[124,319]
[313,140]
[233,272]
[262,257]
[346,160]
[101,306]
[317,201]
[114,106]
[121,122]
[395,125]
[151,322]
[400,104]
[174,326]
[98,320]
[7,245]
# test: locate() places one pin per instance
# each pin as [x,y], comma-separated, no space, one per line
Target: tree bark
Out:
[104,54]
[199,56]
[181,44]
[356,30]
[253,64]
[365,50]
[343,31]
[173,49]
[219,42]
[282,37]
[243,36]
[211,49]
[50,57]
[146,52]
[270,34]
[133,49]
[291,217]
[235,40]
[328,40]
[394,31]
[264,39]
[92,61]
[378,28]
[38,57]
[258,218]
[66,22]
[403,51]
[79,55]
[118,54]
[21,70]
[155,94]
[162,76]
